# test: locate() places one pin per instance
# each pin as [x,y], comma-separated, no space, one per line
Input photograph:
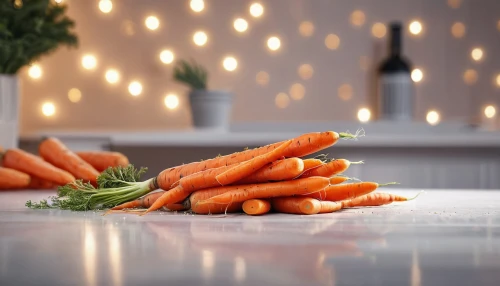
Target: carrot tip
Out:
[418,194]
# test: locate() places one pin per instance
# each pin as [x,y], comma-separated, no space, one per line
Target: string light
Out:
[432,117]
[345,92]
[171,101]
[200,38]
[364,115]
[166,56]
[48,109]
[477,54]
[89,62]
[273,43]
[417,75]
[282,100]
[152,23]
[415,27]
[256,10]
[458,30]
[230,63]
[112,76]
[357,18]
[379,30]
[332,41]
[297,91]
[470,77]
[197,5]
[306,29]
[490,111]
[135,88]
[35,71]
[74,95]
[262,78]
[240,25]
[105,6]
[306,71]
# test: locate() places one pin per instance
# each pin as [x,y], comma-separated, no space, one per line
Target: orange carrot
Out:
[346,191]
[34,166]
[193,202]
[329,207]
[375,199]
[242,193]
[249,167]
[12,179]
[101,160]
[56,153]
[296,205]
[335,180]
[310,164]
[281,170]
[303,145]
[171,196]
[174,207]
[143,202]
[331,168]
[256,207]
[41,184]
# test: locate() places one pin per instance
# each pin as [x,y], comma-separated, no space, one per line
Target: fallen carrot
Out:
[241,193]
[12,179]
[34,166]
[329,207]
[56,153]
[346,191]
[375,199]
[256,207]
[174,195]
[331,168]
[101,160]
[296,205]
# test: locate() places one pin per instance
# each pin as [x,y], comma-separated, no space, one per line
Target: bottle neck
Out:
[395,43]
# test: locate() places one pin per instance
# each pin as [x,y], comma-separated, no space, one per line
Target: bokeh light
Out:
[282,100]
[332,42]
[48,109]
[74,95]
[135,88]
[433,117]
[200,38]
[35,71]
[364,114]
[171,101]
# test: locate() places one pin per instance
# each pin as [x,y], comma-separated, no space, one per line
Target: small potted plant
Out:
[29,29]
[209,108]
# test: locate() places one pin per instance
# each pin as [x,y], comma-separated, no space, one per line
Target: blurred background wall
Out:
[325,64]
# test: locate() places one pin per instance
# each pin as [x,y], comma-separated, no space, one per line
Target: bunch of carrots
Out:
[273,178]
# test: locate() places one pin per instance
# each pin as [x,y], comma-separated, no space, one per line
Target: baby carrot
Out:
[329,207]
[256,207]
[296,205]
[101,160]
[13,179]
[346,191]
[375,199]
[331,168]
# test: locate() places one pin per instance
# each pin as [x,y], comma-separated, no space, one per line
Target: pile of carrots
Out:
[274,178]
[55,166]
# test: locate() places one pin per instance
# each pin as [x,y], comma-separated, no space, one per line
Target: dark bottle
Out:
[396,99]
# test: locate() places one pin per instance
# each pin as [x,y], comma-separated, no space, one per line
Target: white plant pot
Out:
[211,109]
[9,111]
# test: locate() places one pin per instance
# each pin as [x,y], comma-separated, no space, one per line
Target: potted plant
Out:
[209,108]
[29,29]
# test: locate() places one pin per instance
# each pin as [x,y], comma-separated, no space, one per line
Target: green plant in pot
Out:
[209,108]
[29,29]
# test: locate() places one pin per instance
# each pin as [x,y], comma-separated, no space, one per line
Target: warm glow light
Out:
[58,1]
[152,23]
[345,92]
[105,6]
[379,30]
[74,95]
[282,100]
[358,18]
[273,43]
[171,101]
[306,29]
[490,111]
[135,88]
[200,38]
[166,56]
[458,30]
[48,109]
[230,63]
[415,27]
[256,10]
[417,75]
[477,54]
[262,78]
[306,71]
[432,117]
[89,62]
[470,77]
[240,25]
[297,91]
[364,115]
[332,42]
[197,5]
[35,71]
[455,4]
[498,80]
[112,76]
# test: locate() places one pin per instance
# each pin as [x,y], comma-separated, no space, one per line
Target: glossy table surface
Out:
[442,238]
